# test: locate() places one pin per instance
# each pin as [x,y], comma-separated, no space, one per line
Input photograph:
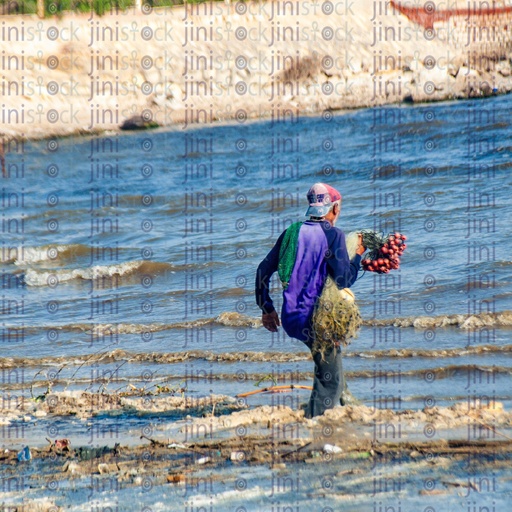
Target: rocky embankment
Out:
[214,61]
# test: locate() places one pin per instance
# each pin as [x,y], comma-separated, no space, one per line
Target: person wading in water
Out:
[305,255]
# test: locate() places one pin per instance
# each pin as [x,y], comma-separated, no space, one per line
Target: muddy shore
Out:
[354,444]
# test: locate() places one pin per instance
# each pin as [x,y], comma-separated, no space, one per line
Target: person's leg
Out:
[328,383]
[347,398]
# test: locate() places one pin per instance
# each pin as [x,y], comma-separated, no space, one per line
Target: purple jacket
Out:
[321,251]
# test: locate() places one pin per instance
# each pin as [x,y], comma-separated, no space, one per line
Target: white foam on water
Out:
[43,278]
[22,255]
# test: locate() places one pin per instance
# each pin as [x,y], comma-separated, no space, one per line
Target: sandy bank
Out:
[216,62]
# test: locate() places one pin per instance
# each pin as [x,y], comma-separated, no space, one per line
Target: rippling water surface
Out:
[148,242]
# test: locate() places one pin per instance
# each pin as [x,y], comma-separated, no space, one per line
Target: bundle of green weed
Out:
[373,241]
[336,318]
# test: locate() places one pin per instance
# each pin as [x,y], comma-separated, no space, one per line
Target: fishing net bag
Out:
[336,318]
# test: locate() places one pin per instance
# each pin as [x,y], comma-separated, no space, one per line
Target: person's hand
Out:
[360,247]
[270,321]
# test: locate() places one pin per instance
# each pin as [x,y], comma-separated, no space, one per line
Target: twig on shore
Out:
[102,352]
[296,450]
[490,427]
[469,485]
[161,444]
[154,442]
[274,389]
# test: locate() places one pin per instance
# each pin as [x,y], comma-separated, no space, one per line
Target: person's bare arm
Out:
[270,321]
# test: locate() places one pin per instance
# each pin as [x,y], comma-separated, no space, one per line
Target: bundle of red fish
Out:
[385,251]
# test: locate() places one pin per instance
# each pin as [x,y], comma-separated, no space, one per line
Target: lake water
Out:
[148,242]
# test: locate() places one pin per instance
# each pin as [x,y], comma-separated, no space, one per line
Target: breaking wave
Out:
[226,319]
[500,319]
[28,255]
[51,277]
[233,319]
[435,353]
[230,357]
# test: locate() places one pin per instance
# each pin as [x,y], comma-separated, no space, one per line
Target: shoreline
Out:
[87,75]
[177,127]
[231,456]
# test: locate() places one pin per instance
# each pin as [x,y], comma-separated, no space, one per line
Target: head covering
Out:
[320,198]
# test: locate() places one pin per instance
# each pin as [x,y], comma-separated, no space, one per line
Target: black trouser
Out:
[328,384]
